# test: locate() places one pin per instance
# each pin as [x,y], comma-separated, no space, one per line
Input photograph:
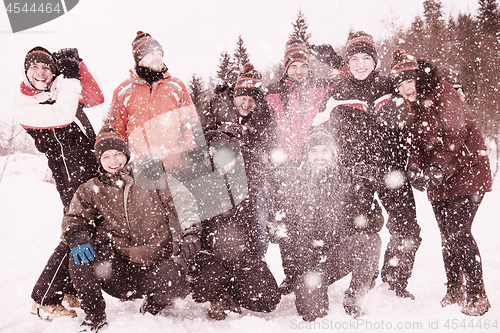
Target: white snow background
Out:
[194,34]
[31,215]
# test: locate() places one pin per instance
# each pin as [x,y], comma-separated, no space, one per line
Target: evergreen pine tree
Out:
[300,28]
[227,71]
[197,92]
[240,54]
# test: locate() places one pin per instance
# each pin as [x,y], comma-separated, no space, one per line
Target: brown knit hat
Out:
[39,54]
[109,138]
[403,67]
[296,50]
[249,82]
[361,42]
[144,44]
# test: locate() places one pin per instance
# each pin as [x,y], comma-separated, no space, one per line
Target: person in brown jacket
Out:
[447,157]
[123,238]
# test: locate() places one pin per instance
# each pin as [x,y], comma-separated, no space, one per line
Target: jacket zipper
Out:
[62,154]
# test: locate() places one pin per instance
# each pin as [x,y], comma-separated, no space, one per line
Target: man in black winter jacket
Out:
[372,149]
[314,210]
[54,92]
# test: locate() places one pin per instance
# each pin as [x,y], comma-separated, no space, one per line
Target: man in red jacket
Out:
[152,110]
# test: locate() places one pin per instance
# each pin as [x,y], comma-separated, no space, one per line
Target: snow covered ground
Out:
[31,213]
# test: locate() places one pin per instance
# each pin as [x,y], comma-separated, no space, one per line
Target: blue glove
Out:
[85,252]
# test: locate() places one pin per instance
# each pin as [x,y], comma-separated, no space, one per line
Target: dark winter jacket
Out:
[313,212]
[231,233]
[259,125]
[368,146]
[443,131]
[295,107]
[62,131]
[140,224]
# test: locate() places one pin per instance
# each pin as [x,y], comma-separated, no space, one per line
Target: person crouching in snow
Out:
[122,238]
[314,218]
[448,159]
[228,272]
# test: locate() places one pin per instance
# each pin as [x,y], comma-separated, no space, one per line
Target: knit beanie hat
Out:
[39,54]
[361,42]
[320,138]
[109,138]
[295,50]
[403,67]
[144,44]
[247,82]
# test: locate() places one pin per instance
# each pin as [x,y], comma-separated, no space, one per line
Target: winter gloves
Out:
[421,180]
[68,62]
[82,250]
[190,244]
[326,54]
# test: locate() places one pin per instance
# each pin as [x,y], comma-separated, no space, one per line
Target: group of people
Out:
[165,202]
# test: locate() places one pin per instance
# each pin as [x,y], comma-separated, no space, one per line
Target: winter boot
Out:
[400,290]
[454,295]
[286,287]
[311,296]
[93,323]
[49,312]
[219,309]
[352,304]
[73,301]
[148,307]
[477,303]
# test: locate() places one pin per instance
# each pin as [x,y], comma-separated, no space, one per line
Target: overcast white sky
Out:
[194,33]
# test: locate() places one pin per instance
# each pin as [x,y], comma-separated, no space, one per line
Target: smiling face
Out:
[113,160]
[298,71]
[153,60]
[320,157]
[408,90]
[361,65]
[244,104]
[40,75]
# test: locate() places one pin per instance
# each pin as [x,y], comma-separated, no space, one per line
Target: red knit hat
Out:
[296,50]
[143,44]
[361,42]
[403,67]
[107,139]
[248,81]
[39,54]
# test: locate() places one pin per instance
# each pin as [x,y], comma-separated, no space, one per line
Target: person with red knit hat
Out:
[372,149]
[56,89]
[448,159]
[124,238]
[153,111]
[230,272]
[295,100]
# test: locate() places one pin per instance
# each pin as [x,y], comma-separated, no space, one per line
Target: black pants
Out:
[161,283]
[248,280]
[357,254]
[460,252]
[404,241]
[54,281]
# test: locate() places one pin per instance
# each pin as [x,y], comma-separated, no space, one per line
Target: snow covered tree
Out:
[489,16]
[227,71]
[300,27]
[240,54]
[433,13]
[197,92]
